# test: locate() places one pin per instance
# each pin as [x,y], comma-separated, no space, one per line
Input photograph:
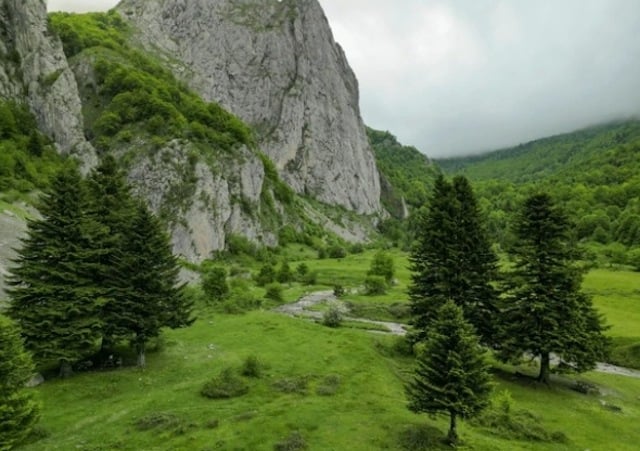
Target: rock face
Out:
[275,64]
[37,71]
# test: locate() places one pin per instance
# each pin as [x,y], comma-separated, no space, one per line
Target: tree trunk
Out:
[65,369]
[544,368]
[452,436]
[142,357]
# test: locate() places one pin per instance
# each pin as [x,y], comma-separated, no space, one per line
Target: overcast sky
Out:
[460,76]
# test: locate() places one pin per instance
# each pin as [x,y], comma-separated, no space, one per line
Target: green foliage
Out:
[329,385]
[27,160]
[266,275]
[336,251]
[225,385]
[214,284]
[409,172]
[452,260]
[593,174]
[332,317]
[252,367]
[375,285]
[18,411]
[274,292]
[544,310]
[284,274]
[382,265]
[301,270]
[163,422]
[136,92]
[53,297]
[452,376]
[634,258]
[293,442]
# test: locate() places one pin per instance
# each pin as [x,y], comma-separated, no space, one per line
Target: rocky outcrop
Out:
[276,65]
[204,202]
[37,71]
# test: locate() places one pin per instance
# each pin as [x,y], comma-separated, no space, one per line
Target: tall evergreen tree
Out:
[452,260]
[113,207]
[52,295]
[544,310]
[452,376]
[18,411]
[148,293]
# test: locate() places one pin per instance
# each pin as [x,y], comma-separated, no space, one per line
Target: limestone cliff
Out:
[276,65]
[35,70]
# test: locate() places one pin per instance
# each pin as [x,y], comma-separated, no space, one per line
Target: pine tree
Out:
[544,310]
[452,376]
[112,206]
[18,411]
[452,259]
[149,297]
[53,298]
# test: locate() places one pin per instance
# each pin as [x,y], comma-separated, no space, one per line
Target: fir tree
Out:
[18,411]
[452,260]
[113,207]
[545,312]
[452,376]
[147,290]
[53,298]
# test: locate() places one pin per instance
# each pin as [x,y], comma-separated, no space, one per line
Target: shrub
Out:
[356,248]
[292,385]
[266,275]
[336,252]
[214,284]
[284,273]
[163,421]
[338,291]
[251,367]
[225,385]
[375,285]
[382,265]
[274,292]
[332,317]
[329,385]
[633,257]
[311,278]
[302,270]
[294,442]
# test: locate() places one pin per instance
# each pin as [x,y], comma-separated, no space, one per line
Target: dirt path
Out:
[300,308]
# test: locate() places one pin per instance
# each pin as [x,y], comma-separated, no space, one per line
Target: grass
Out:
[327,388]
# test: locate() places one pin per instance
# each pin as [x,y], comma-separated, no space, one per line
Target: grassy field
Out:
[333,389]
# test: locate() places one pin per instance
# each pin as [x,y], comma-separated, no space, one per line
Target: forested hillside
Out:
[594,173]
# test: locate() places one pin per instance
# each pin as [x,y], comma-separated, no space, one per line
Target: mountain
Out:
[276,66]
[594,174]
[230,117]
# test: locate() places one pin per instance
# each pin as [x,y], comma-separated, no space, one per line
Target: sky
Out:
[456,77]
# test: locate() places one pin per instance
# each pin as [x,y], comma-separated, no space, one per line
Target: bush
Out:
[292,385]
[284,273]
[338,291]
[336,252]
[214,284]
[633,257]
[332,317]
[294,442]
[274,292]
[163,421]
[382,265]
[375,285]
[251,367]
[302,270]
[310,278]
[266,275]
[356,248]
[329,385]
[225,385]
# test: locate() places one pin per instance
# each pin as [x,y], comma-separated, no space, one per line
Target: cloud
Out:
[460,76]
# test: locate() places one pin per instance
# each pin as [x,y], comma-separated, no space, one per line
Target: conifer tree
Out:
[148,293]
[52,295]
[18,411]
[452,376]
[112,205]
[544,310]
[452,260]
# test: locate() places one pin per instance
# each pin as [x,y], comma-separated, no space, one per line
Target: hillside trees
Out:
[97,267]
[452,260]
[53,297]
[452,376]
[18,411]
[544,310]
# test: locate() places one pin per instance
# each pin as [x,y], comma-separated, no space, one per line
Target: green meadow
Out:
[322,388]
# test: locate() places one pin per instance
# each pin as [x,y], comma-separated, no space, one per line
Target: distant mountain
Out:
[594,173]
